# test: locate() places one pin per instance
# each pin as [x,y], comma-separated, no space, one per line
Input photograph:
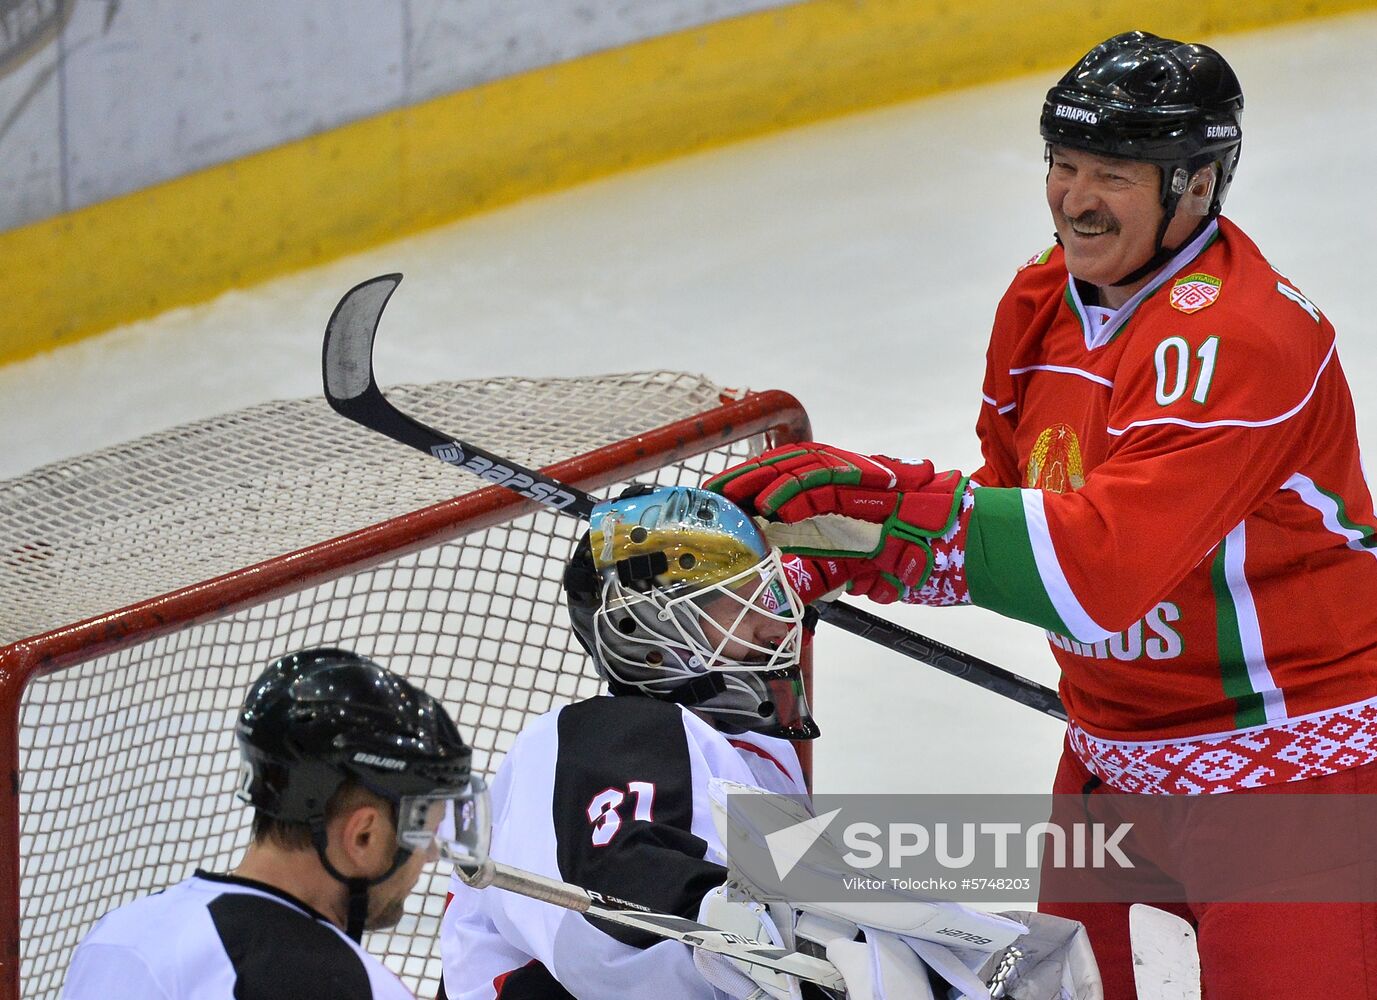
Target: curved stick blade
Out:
[347,361]
[353,392]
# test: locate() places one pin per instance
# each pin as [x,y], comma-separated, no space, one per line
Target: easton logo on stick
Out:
[494,472]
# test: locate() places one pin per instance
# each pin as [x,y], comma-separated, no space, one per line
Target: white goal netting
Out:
[143,587]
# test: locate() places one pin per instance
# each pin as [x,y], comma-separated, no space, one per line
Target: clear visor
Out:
[455,825]
[750,621]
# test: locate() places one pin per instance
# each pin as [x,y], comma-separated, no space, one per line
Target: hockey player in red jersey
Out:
[1171,487]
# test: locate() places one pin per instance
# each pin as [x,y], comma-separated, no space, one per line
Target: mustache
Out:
[1093,219]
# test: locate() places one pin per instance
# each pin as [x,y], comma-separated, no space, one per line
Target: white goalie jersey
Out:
[610,794]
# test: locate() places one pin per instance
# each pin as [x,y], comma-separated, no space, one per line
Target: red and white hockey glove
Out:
[779,483]
[907,524]
[815,578]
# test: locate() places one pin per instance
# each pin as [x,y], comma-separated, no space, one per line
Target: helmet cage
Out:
[695,641]
[664,592]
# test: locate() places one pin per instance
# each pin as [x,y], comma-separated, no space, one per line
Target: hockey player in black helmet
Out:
[1172,489]
[358,780]
[322,722]
[1170,114]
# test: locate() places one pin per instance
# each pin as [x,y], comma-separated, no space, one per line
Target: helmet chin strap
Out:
[1171,198]
[1174,188]
[357,888]
[1162,255]
[690,693]
[698,690]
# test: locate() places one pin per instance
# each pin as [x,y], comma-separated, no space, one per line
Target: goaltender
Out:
[697,625]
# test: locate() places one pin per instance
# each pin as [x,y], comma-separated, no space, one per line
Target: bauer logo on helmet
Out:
[373,760]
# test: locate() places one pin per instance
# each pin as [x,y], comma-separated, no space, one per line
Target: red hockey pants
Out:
[1248,950]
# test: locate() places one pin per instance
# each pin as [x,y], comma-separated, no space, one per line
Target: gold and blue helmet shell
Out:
[677,538]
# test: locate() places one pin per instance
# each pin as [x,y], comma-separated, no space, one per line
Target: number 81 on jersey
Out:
[603,809]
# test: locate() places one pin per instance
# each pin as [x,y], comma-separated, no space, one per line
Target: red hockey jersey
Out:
[1173,490]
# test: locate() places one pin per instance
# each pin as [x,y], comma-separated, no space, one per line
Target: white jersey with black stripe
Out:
[610,794]
[219,937]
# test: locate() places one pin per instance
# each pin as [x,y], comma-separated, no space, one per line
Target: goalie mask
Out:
[319,718]
[676,595]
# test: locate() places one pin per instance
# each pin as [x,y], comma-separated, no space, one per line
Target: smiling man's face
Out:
[1107,212]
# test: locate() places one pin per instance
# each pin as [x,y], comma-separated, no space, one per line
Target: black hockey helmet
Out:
[318,718]
[1141,97]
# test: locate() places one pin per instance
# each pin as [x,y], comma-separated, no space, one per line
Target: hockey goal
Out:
[143,587]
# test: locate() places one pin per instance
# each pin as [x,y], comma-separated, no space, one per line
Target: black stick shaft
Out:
[936,654]
[353,392]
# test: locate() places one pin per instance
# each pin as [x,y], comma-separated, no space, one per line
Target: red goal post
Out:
[142,588]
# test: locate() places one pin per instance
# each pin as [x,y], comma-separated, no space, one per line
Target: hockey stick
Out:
[353,392]
[945,658]
[665,925]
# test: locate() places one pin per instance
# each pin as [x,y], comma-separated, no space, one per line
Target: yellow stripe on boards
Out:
[372,181]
